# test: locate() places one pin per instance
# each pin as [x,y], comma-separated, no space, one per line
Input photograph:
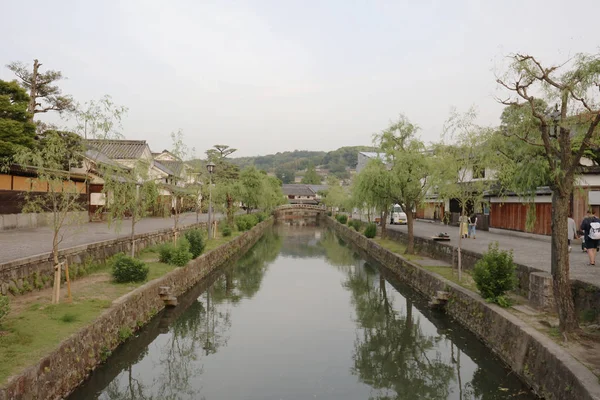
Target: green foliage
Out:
[47,95]
[494,273]
[128,269]
[371,230]
[182,254]
[311,177]
[329,213]
[226,231]
[284,164]
[246,222]
[251,181]
[165,252]
[356,224]
[195,237]
[374,187]
[68,318]
[341,218]
[336,196]
[285,175]
[261,216]
[16,129]
[4,307]
[125,333]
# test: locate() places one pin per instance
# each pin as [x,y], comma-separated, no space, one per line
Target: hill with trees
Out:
[286,164]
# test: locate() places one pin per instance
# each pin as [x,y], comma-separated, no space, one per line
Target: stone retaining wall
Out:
[37,272]
[61,372]
[540,362]
[532,283]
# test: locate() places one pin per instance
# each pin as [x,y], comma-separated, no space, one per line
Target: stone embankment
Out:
[63,370]
[540,362]
[26,274]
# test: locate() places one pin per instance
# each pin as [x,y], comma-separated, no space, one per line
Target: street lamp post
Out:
[210,167]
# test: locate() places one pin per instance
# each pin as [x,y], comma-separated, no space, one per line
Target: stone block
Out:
[9,221]
[24,221]
[540,291]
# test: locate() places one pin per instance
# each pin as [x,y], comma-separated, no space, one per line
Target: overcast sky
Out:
[268,76]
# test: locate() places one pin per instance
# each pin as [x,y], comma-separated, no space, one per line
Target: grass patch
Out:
[37,330]
[220,240]
[452,275]
[158,269]
[396,247]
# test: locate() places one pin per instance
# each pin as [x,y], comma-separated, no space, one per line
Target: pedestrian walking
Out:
[472,225]
[464,226]
[591,231]
[581,233]
[572,234]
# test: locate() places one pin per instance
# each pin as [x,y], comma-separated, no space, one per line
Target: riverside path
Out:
[21,243]
[530,250]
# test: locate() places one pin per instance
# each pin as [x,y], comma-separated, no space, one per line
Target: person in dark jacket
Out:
[591,244]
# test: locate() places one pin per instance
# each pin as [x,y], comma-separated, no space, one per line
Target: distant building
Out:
[299,194]
[364,157]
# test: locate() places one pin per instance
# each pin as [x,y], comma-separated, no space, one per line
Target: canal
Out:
[302,316]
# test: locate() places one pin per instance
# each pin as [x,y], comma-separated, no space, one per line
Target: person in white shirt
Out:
[572,230]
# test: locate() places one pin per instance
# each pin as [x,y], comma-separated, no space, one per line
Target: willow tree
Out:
[376,187]
[565,134]
[54,191]
[129,194]
[412,167]
[465,167]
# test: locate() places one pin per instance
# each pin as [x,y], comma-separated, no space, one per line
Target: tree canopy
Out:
[44,94]
[16,129]
[311,177]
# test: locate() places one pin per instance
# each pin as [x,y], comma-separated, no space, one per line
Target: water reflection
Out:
[302,315]
[180,338]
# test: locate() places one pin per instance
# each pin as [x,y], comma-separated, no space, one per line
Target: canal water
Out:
[302,316]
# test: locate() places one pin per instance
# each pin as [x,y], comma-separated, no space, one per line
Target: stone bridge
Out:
[299,214]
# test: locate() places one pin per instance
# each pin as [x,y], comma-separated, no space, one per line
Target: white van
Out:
[397,216]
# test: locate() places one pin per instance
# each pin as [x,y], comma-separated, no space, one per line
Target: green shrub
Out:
[196,239]
[68,318]
[4,307]
[226,231]
[128,269]
[494,273]
[329,213]
[371,230]
[125,333]
[342,218]
[356,224]
[246,222]
[165,252]
[182,254]
[261,216]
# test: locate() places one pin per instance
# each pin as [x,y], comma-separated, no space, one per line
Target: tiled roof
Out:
[175,166]
[100,158]
[160,165]
[371,154]
[297,190]
[120,149]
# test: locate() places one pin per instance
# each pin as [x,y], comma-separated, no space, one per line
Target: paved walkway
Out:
[21,243]
[530,251]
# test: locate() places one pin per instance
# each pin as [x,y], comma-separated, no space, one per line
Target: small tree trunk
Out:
[133,221]
[33,90]
[383,224]
[560,264]
[460,237]
[56,285]
[410,225]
